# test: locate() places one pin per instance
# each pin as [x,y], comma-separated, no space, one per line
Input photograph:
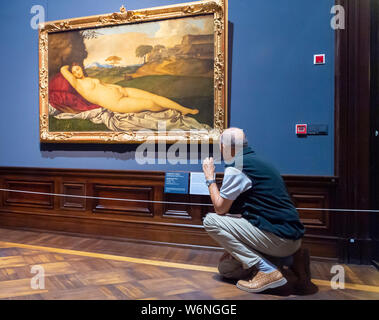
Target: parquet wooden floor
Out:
[87,268]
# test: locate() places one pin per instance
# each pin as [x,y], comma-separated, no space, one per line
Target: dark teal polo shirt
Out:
[267,204]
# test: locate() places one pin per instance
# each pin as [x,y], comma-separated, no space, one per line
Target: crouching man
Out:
[254,218]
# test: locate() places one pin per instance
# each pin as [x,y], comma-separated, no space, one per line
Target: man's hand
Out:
[209,168]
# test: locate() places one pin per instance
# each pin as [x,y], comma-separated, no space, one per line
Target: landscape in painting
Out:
[129,77]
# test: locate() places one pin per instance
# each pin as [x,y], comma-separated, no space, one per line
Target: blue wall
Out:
[274,84]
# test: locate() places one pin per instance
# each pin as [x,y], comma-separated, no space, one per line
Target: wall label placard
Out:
[197,184]
[176,182]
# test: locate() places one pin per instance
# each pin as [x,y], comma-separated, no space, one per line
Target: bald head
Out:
[232,141]
[233,137]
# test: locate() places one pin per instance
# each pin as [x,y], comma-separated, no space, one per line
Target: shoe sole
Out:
[272,285]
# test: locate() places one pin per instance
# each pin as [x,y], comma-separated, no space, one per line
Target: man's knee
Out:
[211,221]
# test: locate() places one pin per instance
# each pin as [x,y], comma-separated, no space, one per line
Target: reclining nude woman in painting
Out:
[116,98]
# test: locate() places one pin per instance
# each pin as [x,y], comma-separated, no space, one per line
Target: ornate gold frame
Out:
[216,7]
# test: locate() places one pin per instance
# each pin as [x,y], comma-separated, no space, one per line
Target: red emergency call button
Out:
[319,59]
[301,129]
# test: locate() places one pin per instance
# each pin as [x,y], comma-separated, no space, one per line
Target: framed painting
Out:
[135,76]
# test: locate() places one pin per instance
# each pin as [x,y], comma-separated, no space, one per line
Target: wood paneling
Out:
[374,219]
[42,200]
[321,236]
[180,211]
[352,129]
[73,189]
[149,219]
[317,193]
[106,205]
[312,218]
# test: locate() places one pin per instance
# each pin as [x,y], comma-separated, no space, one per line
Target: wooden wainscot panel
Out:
[44,200]
[311,192]
[178,211]
[321,247]
[73,203]
[315,219]
[317,193]
[105,204]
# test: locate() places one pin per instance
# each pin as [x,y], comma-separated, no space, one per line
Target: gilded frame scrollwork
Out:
[216,7]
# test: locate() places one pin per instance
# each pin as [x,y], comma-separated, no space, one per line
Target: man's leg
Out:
[246,244]
[228,232]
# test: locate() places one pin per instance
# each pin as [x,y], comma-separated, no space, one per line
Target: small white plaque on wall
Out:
[197,184]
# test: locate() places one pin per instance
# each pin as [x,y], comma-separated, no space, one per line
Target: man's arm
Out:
[220,204]
[68,76]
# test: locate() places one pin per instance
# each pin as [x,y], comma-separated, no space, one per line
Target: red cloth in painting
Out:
[63,97]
